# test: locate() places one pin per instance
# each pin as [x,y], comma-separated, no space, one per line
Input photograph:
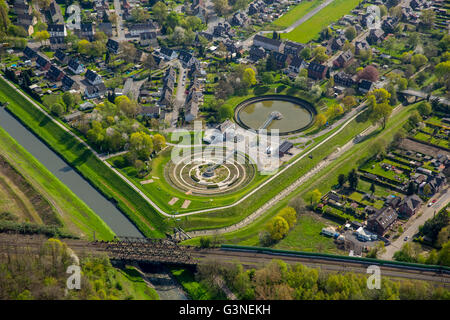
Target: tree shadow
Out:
[45,120]
[82,158]
[261,90]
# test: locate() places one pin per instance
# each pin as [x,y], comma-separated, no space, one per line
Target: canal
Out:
[106,210]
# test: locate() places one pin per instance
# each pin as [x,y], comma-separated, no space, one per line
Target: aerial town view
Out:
[224,150]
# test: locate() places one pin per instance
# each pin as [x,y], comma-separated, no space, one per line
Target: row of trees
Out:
[281,281]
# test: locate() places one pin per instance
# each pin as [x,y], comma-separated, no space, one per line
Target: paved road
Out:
[119,25]
[413,224]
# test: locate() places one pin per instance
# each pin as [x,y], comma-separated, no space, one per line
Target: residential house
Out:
[106,28]
[362,45]
[42,63]
[375,36]
[61,56]
[435,183]
[198,9]
[87,31]
[22,7]
[317,71]
[168,54]
[113,46]
[337,43]
[296,65]
[343,79]
[365,86]
[29,53]
[283,60]
[410,205]
[382,221]
[344,59]
[148,39]
[293,48]
[138,28]
[93,78]
[68,84]
[27,21]
[239,19]
[55,74]
[257,53]
[389,24]
[95,91]
[186,58]
[268,43]
[75,66]
[150,112]
[191,110]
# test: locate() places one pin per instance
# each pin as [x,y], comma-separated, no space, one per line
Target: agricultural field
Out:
[30,193]
[310,29]
[296,13]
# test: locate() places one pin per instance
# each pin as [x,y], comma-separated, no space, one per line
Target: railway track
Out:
[162,252]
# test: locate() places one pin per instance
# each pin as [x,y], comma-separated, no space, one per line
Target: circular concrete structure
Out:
[286,113]
[199,175]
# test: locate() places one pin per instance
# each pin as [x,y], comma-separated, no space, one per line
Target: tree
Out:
[319,54]
[442,71]
[42,36]
[249,77]
[350,33]
[305,54]
[225,112]
[381,113]
[84,46]
[139,14]
[221,7]
[321,120]
[141,144]
[128,51]
[383,10]
[68,99]
[178,35]
[160,12]
[424,108]
[418,60]
[4,18]
[267,78]
[159,142]
[349,101]
[289,214]
[314,196]
[428,17]
[57,109]
[353,179]
[341,180]
[277,228]
[369,73]
[372,188]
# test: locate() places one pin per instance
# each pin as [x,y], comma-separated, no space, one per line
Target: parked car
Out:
[406,238]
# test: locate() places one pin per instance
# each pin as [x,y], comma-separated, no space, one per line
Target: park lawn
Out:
[306,236]
[194,289]
[133,285]
[144,216]
[323,181]
[311,28]
[76,216]
[296,13]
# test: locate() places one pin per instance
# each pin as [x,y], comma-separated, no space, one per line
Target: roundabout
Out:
[287,114]
[198,174]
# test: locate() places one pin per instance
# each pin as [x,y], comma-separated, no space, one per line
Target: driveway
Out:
[413,224]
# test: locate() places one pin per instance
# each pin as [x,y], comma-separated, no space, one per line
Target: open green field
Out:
[149,222]
[76,216]
[296,13]
[310,29]
[132,283]
[325,179]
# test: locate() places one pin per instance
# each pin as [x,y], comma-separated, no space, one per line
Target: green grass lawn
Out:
[194,289]
[77,217]
[135,287]
[306,236]
[84,161]
[296,13]
[310,29]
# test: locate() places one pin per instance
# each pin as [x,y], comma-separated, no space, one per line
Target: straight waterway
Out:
[104,208]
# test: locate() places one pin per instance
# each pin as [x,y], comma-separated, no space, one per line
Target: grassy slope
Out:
[296,13]
[76,215]
[324,180]
[194,289]
[310,29]
[85,162]
[133,284]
